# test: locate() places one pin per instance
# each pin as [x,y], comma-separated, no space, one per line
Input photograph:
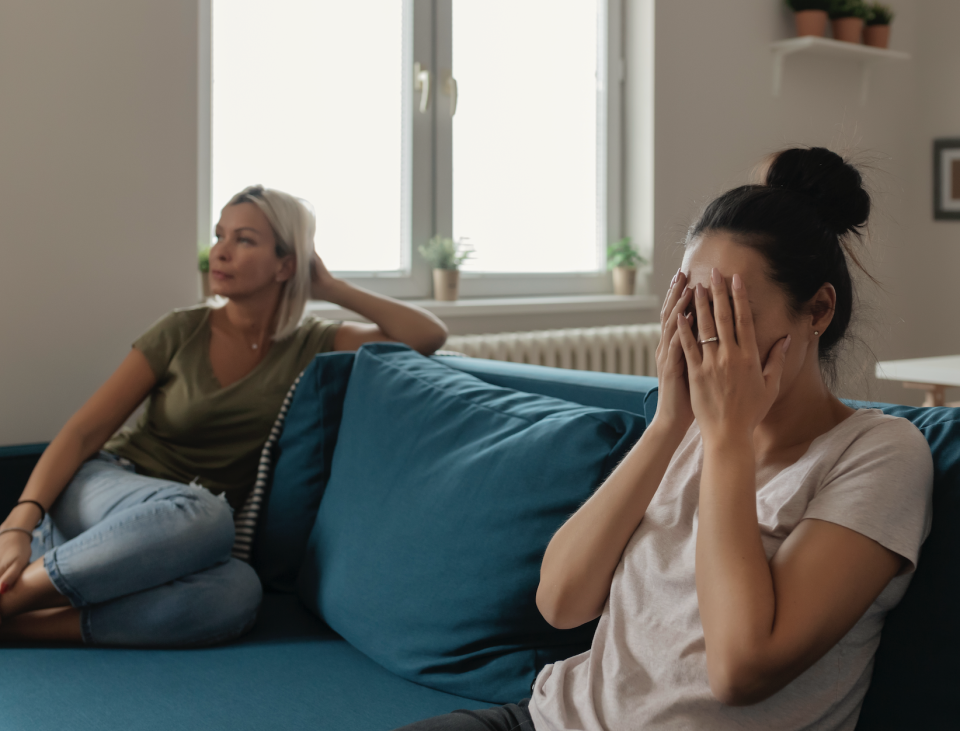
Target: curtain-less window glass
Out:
[525,142]
[308,98]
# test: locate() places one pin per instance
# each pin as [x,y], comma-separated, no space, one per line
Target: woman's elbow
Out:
[736,683]
[432,340]
[558,613]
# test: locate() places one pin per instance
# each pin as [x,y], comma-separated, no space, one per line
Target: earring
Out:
[816,332]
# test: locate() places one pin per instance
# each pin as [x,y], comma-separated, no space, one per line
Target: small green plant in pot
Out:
[877,32]
[848,17]
[203,264]
[623,259]
[445,256]
[810,16]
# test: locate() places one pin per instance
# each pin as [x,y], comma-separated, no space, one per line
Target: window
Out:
[400,119]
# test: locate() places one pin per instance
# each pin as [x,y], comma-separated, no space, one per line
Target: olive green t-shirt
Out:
[192,428]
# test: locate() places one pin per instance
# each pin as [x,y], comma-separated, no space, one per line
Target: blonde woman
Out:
[134,531]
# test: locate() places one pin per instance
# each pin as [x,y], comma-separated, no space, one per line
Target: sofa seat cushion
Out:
[291,672]
[444,493]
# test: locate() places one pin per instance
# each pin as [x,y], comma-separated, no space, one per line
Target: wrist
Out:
[327,289]
[16,531]
[26,514]
[727,443]
[668,431]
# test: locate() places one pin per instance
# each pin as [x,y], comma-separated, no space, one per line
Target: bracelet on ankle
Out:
[43,512]
[19,530]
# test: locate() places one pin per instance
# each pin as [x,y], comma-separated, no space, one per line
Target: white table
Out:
[933,375]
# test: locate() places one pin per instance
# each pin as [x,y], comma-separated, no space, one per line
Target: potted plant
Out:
[203,264]
[622,259]
[445,256]
[877,31]
[810,16]
[848,17]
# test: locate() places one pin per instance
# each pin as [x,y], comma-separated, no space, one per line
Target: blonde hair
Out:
[294,226]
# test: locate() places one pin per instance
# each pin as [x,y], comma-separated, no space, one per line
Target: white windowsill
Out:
[484,306]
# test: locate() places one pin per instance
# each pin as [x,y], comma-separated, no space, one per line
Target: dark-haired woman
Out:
[743,556]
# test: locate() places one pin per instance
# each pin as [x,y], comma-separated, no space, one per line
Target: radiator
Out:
[628,349]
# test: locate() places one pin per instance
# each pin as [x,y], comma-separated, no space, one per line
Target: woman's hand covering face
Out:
[731,391]
[674,410]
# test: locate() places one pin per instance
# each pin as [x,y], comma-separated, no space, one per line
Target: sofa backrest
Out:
[604,390]
[16,464]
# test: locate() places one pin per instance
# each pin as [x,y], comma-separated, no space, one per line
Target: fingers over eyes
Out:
[706,328]
[743,315]
[689,342]
[677,288]
[722,313]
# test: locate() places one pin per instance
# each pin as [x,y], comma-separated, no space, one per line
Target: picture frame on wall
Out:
[946,179]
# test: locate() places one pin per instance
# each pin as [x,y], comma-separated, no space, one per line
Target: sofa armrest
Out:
[16,464]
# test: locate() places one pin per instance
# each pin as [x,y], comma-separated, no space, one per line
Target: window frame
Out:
[427,160]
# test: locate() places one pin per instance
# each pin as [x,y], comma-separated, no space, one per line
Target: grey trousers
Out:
[511,717]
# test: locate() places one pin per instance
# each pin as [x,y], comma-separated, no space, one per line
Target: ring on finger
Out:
[714,339]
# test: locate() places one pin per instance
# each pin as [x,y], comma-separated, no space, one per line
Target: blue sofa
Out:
[408,504]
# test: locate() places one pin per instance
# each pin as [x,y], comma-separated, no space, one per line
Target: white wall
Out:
[98,159]
[715,116]
[97,193]
[926,266]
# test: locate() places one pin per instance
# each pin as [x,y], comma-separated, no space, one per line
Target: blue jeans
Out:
[147,561]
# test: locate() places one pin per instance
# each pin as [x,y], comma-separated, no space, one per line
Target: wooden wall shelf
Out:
[814,46]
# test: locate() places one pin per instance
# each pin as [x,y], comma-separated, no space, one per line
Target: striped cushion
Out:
[245,521]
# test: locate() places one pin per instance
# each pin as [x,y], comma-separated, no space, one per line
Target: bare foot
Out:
[60,624]
[33,590]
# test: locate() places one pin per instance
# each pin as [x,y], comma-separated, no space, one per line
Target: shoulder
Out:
[317,334]
[886,438]
[187,317]
[181,320]
[881,484]
[168,334]
[312,323]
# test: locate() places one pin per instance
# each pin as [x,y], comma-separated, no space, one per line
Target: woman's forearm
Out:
[421,330]
[53,472]
[581,558]
[735,588]
[84,434]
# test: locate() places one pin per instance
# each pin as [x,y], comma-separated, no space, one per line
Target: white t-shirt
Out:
[647,668]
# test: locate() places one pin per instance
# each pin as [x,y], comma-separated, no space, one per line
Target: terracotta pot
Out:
[205,284]
[446,284]
[877,35]
[811,22]
[624,280]
[848,29]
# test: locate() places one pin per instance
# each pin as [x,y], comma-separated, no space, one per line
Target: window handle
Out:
[421,83]
[450,89]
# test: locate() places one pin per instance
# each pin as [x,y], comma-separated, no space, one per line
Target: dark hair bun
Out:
[834,186]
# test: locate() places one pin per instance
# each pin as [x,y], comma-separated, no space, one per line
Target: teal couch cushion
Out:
[300,466]
[606,390]
[444,494]
[291,672]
